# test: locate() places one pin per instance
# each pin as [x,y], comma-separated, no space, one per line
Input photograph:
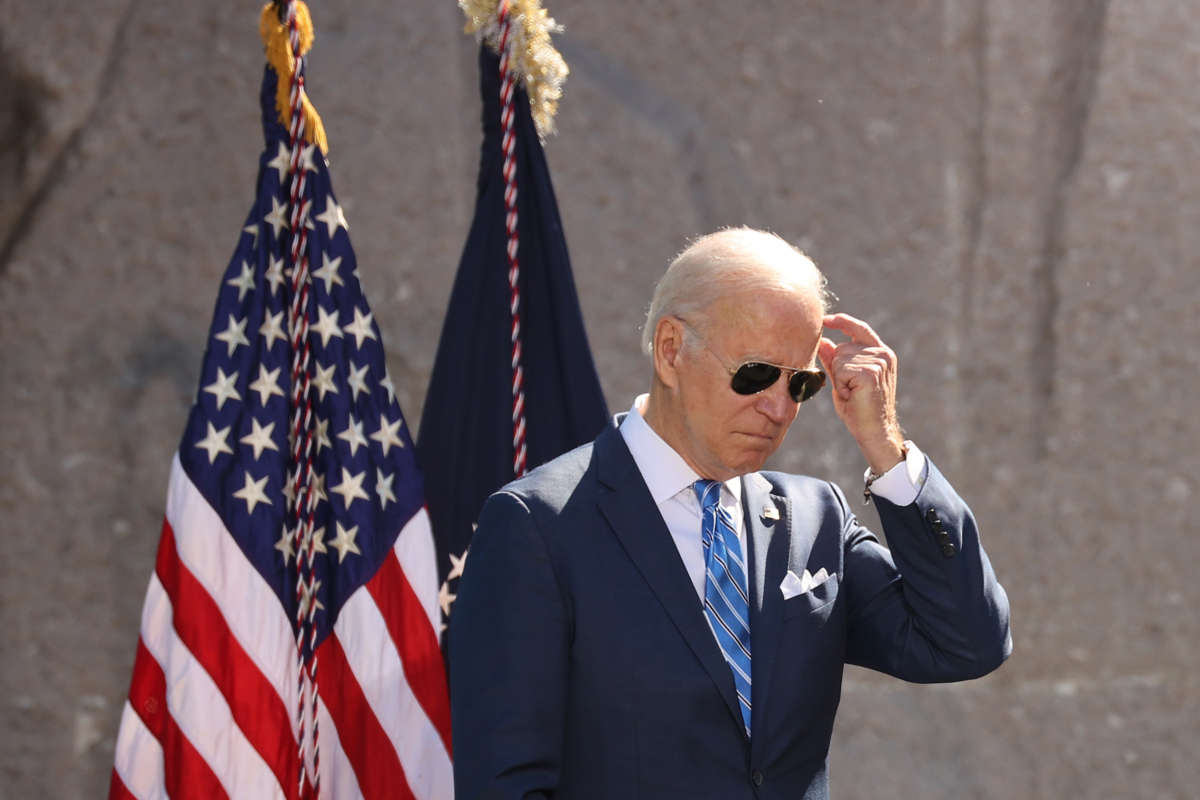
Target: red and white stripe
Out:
[508,141]
[211,709]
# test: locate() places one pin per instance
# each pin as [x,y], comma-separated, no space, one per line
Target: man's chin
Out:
[754,460]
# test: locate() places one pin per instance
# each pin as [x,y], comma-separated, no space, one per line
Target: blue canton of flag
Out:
[237,442]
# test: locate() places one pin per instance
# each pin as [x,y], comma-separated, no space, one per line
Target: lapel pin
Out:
[770,512]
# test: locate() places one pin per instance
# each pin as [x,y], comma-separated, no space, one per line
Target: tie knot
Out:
[708,493]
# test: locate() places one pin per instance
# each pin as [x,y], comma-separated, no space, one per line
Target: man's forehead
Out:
[783,326]
[793,306]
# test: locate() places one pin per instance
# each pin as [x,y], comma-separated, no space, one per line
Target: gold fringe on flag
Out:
[532,57]
[279,56]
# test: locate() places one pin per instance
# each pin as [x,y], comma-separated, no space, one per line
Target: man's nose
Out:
[775,403]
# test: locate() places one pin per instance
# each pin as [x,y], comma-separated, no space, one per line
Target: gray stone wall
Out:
[1003,188]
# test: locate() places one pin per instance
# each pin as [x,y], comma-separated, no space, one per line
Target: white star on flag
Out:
[358,381]
[390,387]
[223,388]
[323,379]
[275,274]
[306,159]
[333,217]
[272,328]
[386,435]
[266,384]
[259,438]
[361,327]
[284,546]
[383,487]
[344,541]
[456,565]
[253,493]
[321,434]
[281,161]
[445,600]
[353,435]
[351,487]
[214,442]
[329,272]
[326,326]
[234,336]
[244,282]
[275,217]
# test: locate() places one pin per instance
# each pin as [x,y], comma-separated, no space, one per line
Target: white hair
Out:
[730,260]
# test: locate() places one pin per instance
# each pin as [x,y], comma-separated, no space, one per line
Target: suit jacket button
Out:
[948,550]
[756,778]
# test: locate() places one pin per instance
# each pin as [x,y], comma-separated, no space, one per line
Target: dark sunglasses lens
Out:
[805,384]
[753,377]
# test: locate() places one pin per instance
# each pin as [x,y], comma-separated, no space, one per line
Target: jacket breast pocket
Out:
[818,600]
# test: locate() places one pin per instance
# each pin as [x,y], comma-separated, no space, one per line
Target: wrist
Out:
[884,454]
[902,482]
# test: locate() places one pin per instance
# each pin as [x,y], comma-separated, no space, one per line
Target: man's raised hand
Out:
[862,376]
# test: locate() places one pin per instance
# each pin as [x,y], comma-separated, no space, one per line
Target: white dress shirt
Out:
[670,480]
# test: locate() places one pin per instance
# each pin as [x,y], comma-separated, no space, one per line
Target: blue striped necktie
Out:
[725,601]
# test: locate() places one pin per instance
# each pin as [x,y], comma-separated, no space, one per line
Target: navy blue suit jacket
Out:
[584,668]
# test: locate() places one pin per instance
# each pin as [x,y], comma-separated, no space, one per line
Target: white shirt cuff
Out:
[902,483]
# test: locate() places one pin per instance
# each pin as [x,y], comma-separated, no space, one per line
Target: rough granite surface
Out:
[1004,189]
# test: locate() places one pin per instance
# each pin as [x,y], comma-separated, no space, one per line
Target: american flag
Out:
[213,708]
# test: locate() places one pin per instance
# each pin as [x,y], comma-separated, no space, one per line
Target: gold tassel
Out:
[532,58]
[279,56]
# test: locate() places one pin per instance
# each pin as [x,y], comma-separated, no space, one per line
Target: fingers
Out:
[858,331]
[864,347]
[825,352]
[851,361]
[862,374]
[851,366]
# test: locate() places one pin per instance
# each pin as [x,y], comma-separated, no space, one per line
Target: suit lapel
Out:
[636,522]
[768,520]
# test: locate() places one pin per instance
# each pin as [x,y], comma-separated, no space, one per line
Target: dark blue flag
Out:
[465,445]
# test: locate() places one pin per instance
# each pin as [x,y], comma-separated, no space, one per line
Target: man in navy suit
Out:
[650,616]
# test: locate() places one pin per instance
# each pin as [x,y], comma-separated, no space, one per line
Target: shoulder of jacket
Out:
[548,486]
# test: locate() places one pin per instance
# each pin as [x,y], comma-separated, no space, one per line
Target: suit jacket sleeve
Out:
[508,646]
[931,609]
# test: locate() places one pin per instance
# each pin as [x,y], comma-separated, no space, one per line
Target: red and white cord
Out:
[508,147]
[301,425]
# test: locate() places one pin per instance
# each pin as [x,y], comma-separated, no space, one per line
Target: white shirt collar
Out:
[665,472]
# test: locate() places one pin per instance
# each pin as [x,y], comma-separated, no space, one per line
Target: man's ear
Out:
[668,347]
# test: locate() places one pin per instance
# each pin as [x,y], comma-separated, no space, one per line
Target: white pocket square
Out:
[794,585]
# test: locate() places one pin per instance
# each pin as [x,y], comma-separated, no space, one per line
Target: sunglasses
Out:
[752,377]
